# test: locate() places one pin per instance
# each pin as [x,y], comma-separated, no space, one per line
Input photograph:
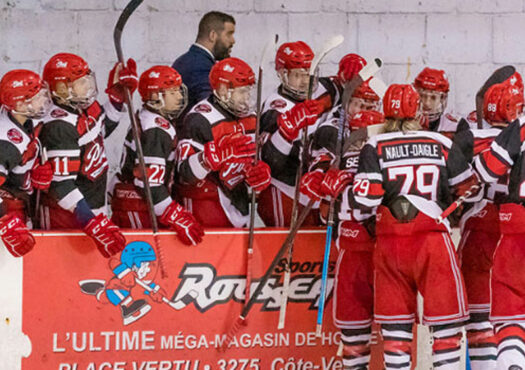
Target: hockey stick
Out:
[328,46]
[498,76]
[264,279]
[457,203]
[354,83]
[117,35]
[270,46]
[39,217]
[177,305]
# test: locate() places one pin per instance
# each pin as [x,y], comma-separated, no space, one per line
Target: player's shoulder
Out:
[11,134]
[151,120]
[204,112]
[399,136]
[278,102]
[59,115]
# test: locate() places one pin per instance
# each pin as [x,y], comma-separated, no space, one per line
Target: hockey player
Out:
[73,137]
[507,283]
[216,150]
[353,297]
[285,113]
[480,224]
[164,97]
[407,174]
[24,97]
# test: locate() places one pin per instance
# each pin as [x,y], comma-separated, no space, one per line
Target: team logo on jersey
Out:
[278,104]
[203,108]
[58,113]
[505,217]
[481,214]
[349,233]
[15,136]
[451,118]
[162,122]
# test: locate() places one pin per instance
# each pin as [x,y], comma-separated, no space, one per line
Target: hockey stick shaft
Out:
[150,289]
[39,192]
[303,161]
[457,203]
[348,91]
[264,279]
[117,36]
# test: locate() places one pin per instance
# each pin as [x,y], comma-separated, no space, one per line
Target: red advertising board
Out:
[79,313]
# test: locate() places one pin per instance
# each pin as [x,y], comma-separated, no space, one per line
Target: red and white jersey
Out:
[159,142]
[74,143]
[18,152]
[472,143]
[420,165]
[208,121]
[282,156]
[506,152]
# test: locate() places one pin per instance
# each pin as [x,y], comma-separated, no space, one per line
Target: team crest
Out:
[15,136]
[58,113]
[162,122]
[203,108]
[278,104]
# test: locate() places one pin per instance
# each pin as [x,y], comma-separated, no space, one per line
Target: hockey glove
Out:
[106,235]
[41,176]
[237,148]
[258,176]
[311,184]
[188,229]
[120,77]
[15,235]
[301,115]
[335,181]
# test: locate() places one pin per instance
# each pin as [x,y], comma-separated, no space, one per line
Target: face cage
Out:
[82,102]
[32,109]
[296,93]
[159,105]
[365,105]
[239,109]
[434,113]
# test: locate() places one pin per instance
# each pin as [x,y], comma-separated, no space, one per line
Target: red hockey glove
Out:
[106,235]
[188,229]
[236,148]
[41,175]
[15,235]
[120,77]
[301,115]
[311,184]
[258,176]
[335,181]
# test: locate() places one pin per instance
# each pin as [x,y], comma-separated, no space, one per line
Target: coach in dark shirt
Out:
[214,42]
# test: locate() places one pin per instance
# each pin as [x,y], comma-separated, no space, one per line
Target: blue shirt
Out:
[194,67]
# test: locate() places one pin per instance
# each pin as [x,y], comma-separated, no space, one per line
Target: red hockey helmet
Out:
[291,55]
[64,67]
[21,85]
[75,73]
[158,82]
[503,103]
[349,66]
[401,102]
[432,79]
[238,78]
[366,118]
[233,72]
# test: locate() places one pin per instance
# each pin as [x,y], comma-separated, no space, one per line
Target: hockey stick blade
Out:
[328,45]
[268,51]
